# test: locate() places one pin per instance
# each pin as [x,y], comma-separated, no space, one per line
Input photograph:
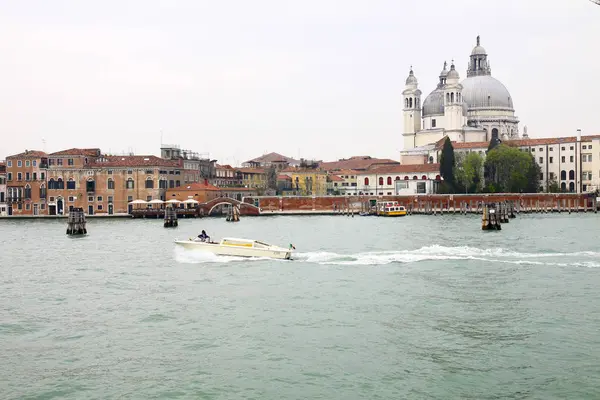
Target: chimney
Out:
[579,135]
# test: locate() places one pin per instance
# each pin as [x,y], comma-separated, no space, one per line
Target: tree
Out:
[553,186]
[468,172]
[511,170]
[447,164]
[272,178]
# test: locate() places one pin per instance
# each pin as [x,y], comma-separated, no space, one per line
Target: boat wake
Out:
[200,257]
[583,259]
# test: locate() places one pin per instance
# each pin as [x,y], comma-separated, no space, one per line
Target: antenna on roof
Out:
[44,145]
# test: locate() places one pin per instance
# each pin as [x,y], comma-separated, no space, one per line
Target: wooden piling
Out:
[76,224]
[170,220]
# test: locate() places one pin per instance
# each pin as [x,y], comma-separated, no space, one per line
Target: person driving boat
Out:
[203,237]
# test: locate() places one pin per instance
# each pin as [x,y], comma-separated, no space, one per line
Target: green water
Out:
[371,308]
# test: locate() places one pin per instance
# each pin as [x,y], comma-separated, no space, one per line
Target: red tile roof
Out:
[335,178]
[226,166]
[284,177]
[526,142]
[345,172]
[272,157]
[29,154]
[77,152]
[134,161]
[403,169]
[356,163]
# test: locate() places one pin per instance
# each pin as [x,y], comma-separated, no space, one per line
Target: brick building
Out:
[3,210]
[106,184]
[26,183]
[201,192]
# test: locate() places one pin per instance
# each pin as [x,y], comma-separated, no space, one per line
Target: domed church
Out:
[473,110]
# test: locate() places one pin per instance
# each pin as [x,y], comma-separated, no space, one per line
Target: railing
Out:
[14,199]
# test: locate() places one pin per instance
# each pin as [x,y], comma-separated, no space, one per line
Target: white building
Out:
[393,180]
[474,110]
[344,182]
[573,162]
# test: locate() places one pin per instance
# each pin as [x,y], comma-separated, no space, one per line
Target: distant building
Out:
[271,160]
[26,183]
[358,163]
[201,192]
[391,180]
[196,165]
[344,182]
[308,181]
[255,178]
[227,176]
[3,209]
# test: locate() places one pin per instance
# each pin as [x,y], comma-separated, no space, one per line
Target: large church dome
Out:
[434,103]
[485,91]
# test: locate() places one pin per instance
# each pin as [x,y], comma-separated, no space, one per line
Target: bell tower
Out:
[412,110]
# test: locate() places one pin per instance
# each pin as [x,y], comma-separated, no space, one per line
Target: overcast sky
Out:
[313,78]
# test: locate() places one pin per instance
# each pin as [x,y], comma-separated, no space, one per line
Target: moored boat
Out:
[238,247]
[390,209]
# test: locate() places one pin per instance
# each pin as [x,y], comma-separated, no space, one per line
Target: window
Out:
[99,198]
[35,176]
[111,184]
[71,184]
[551,175]
[129,199]
[43,206]
[148,198]
[99,207]
[27,193]
[541,176]
[42,191]
[563,148]
[149,183]
[91,199]
[20,206]
[59,161]
[162,184]
[532,150]
[177,172]
[149,171]
[130,184]
[9,176]
[129,172]
[9,163]
[589,158]
[572,148]
[171,184]
[27,206]
[563,175]
[110,172]
[571,175]
[584,147]
[60,184]
[381,181]
[19,163]
[551,148]
[550,160]
[590,147]
[27,176]
[541,149]
[51,161]
[27,163]
[366,181]
[42,176]
[90,186]
[541,160]
[571,158]
[421,187]
[433,123]
[178,183]
[71,199]
[589,176]
[562,159]
[389,180]
[110,199]
[70,161]
[19,176]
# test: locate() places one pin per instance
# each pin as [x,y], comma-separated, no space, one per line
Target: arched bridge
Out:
[245,208]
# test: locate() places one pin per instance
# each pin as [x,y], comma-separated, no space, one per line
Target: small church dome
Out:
[412,79]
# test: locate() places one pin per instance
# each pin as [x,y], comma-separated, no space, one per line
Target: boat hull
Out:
[237,251]
[392,214]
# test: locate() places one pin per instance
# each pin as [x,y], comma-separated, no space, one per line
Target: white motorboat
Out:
[238,247]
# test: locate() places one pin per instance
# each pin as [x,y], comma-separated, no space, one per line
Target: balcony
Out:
[12,199]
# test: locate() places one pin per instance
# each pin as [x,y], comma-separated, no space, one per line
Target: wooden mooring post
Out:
[170,218]
[76,222]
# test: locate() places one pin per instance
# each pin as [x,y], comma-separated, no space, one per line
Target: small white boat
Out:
[238,247]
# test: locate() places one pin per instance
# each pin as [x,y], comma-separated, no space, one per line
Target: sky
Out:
[317,79]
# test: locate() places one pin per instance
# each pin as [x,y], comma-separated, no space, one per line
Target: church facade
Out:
[475,109]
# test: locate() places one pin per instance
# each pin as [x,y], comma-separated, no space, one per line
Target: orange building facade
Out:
[107,184]
[26,183]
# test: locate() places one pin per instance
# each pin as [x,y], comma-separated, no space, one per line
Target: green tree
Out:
[447,164]
[468,172]
[553,186]
[511,170]
[272,178]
